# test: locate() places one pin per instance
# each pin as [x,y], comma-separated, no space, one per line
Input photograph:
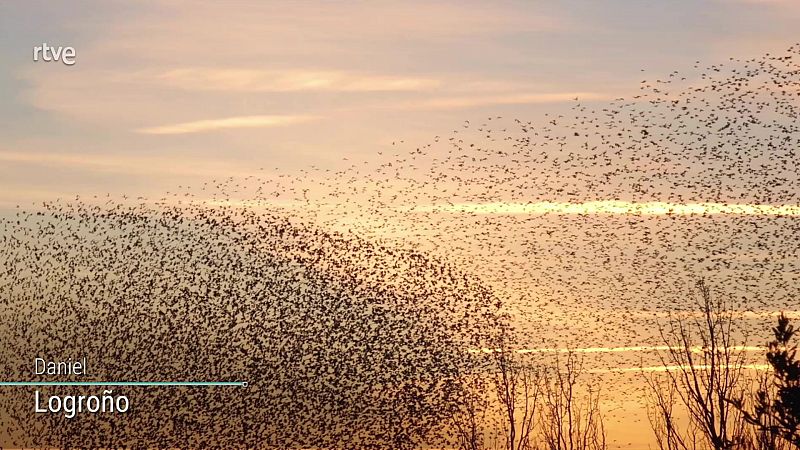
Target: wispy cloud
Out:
[200,126]
[124,163]
[617,207]
[638,348]
[252,80]
[792,314]
[698,367]
[473,101]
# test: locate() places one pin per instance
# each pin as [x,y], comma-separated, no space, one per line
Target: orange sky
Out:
[167,92]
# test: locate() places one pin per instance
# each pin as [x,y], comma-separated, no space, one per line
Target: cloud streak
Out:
[251,80]
[617,207]
[638,348]
[474,101]
[200,126]
[125,164]
[698,367]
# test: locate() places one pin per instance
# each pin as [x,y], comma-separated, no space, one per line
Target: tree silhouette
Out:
[519,405]
[777,406]
[572,420]
[703,373]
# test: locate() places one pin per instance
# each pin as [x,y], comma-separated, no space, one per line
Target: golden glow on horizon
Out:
[618,207]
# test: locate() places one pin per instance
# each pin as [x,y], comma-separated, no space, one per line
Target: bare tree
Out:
[703,371]
[661,400]
[469,414]
[571,419]
[497,409]
[518,387]
[522,406]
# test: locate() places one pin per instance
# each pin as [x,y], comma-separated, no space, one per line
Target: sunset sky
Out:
[170,92]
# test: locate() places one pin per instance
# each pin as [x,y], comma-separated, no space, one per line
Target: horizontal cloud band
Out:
[639,348]
[228,122]
[616,207]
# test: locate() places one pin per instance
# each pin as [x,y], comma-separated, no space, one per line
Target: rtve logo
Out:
[48,53]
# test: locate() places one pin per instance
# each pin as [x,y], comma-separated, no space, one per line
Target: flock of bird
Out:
[724,134]
[347,298]
[343,343]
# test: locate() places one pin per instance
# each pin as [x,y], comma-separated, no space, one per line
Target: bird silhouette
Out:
[350,299]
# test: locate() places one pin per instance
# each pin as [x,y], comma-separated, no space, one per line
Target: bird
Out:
[354,299]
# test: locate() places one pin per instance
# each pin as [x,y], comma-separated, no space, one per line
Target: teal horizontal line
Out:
[124,383]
